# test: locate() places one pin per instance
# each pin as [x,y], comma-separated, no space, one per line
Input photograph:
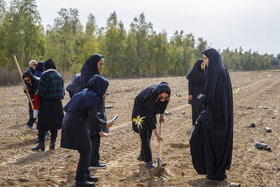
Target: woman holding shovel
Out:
[148,103]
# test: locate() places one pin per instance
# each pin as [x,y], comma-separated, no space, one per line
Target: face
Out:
[202,66]
[33,65]
[100,65]
[206,60]
[27,80]
[105,94]
[163,97]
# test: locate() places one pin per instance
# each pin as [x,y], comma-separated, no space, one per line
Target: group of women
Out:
[85,119]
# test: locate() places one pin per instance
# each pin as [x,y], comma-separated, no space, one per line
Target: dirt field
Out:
[250,166]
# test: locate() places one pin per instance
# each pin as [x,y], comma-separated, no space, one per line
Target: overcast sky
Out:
[251,24]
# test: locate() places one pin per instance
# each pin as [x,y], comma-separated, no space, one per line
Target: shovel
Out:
[159,151]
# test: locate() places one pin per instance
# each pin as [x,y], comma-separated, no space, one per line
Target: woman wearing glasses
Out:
[31,86]
[148,103]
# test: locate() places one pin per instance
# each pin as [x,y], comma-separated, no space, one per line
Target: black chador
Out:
[196,77]
[148,104]
[211,141]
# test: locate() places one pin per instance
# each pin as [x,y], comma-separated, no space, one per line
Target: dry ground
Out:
[250,166]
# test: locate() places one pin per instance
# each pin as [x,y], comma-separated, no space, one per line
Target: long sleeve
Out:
[190,88]
[149,106]
[94,120]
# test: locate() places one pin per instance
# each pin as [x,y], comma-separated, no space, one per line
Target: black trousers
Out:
[95,142]
[83,165]
[146,134]
[196,110]
[43,133]
[31,120]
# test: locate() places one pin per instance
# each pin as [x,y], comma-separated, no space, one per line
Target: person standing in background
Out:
[31,86]
[196,77]
[50,91]
[32,65]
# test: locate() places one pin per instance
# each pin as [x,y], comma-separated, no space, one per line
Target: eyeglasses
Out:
[165,98]
[27,80]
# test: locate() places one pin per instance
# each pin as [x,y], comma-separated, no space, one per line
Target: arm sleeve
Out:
[149,105]
[94,120]
[43,86]
[190,88]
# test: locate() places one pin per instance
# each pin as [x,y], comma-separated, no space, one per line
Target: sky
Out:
[251,24]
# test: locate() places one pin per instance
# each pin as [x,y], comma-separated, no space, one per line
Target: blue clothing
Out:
[31,70]
[92,95]
[39,69]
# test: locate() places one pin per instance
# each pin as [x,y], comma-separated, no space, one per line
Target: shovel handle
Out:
[160,143]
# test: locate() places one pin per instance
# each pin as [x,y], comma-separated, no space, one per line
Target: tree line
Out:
[137,52]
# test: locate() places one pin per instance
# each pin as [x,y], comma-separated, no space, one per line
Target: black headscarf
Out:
[92,95]
[31,77]
[40,66]
[196,74]
[157,89]
[34,83]
[90,68]
[49,64]
[215,70]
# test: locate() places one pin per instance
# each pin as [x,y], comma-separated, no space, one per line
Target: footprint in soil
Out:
[179,145]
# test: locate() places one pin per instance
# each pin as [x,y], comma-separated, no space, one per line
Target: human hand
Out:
[159,138]
[190,97]
[110,124]
[104,134]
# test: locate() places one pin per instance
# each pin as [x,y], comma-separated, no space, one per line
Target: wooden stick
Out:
[20,73]
[159,151]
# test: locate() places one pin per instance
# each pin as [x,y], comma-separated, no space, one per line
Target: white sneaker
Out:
[29,127]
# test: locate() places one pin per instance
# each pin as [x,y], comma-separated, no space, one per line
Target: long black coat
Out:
[197,78]
[82,110]
[147,105]
[212,138]
[75,132]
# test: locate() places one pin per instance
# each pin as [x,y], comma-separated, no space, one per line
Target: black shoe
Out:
[84,183]
[41,146]
[150,165]
[52,144]
[141,158]
[91,178]
[103,163]
[98,165]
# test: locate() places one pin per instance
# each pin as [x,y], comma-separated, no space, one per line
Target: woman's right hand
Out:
[159,138]
[110,123]
[104,134]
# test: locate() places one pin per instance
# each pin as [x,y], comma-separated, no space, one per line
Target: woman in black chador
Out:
[196,79]
[211,141]
[148,103]
[83,108]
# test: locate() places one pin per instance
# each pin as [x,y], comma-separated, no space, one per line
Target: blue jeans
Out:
[31,120]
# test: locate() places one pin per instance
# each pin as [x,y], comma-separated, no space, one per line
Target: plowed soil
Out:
[256,101]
